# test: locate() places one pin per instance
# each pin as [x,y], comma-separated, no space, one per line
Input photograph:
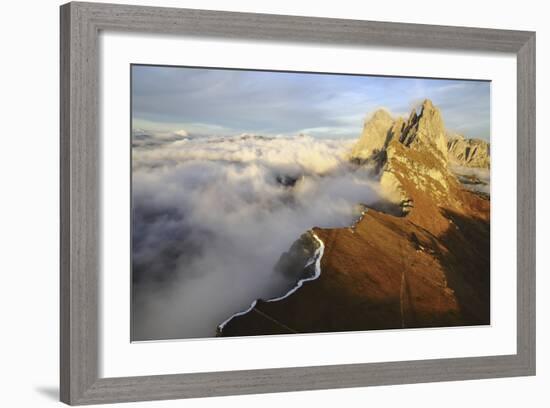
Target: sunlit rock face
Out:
[426,130]
[418,152]
[410,152]
[376,131]
[469,152]
[419,130]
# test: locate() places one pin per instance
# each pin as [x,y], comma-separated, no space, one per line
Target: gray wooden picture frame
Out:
[81,24]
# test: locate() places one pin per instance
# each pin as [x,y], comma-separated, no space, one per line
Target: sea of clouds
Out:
[474,179]
[212,216]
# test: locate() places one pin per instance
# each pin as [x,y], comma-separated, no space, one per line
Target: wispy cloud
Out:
[226,102]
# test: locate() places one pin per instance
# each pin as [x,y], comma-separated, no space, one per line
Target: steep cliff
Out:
[375,135]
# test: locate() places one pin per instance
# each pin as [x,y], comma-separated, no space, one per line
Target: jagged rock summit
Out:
[376,131]
[420,130]
[426,128]
[468,152]
[411,158]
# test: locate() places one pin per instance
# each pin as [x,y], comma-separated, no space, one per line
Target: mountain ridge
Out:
[381,127]
[428,266]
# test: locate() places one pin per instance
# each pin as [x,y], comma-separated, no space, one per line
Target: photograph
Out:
[279,202]
[274,204]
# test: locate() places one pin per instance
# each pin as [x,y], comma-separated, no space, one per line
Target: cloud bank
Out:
[474,179]
[212,216]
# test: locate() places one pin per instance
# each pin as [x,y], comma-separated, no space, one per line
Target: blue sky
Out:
[229,102]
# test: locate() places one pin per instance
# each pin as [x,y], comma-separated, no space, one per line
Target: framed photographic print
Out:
[233,183]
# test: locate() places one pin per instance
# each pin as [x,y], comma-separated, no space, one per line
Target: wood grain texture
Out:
[271,27]
[79,204]
[79,196]
[526,196]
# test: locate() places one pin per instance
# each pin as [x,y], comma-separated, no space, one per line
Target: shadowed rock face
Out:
[427,267]
[425,130]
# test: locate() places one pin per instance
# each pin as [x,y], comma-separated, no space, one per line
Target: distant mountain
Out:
[427,266]
[469,152]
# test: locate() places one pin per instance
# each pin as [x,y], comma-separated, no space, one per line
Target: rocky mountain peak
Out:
[427,104]
[412,158]
[452,136]
[380,115]
[469,152]
[374,136]
[426,129]
[421,131]
[415,158]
